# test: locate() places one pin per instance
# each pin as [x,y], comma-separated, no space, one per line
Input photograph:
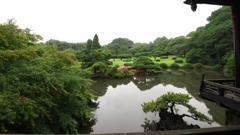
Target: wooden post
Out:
[202,83]
[236,32]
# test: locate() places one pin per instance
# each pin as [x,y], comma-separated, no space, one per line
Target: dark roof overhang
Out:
[194,3]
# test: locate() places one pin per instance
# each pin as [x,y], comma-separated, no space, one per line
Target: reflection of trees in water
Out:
[232,117]
[216,111]
[145,82]
[190,81]
[168,121]
[100,86]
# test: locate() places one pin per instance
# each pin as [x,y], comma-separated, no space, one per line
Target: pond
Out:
[120,110]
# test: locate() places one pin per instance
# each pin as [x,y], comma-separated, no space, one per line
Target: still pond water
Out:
[120,110]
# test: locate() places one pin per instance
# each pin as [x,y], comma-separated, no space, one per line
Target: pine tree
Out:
[95,43]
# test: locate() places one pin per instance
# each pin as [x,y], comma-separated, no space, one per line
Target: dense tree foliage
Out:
[62,45]
[120,46]
[12,37]
[209,44]
[93,53]
[42,90]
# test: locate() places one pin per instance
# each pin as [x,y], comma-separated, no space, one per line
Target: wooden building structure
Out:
[224,92]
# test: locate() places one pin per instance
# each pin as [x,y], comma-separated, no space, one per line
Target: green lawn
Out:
[169,61]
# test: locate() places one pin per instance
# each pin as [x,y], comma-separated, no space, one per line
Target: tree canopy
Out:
[42,90]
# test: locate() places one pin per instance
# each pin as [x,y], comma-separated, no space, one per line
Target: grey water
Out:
[120,100]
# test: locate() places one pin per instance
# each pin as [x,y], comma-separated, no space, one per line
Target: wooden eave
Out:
[213,2]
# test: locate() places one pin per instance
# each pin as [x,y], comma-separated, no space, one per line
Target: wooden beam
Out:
[236,32]
[213,2]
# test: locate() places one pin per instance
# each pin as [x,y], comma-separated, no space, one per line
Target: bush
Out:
[178,61]
[181,56]
[198,66]
[158,60]
[174,58]
[187,66]
[164,57]
[99,67]
[128,64]
[217,67]
[174,66]
[127,60]
[109,62]
[163,65]
[143,62]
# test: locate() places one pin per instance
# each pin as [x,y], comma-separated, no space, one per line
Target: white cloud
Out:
[78,20]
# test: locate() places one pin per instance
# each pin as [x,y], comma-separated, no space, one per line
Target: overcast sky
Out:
[79,20]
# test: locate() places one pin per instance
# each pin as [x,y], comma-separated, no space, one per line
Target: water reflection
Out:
[232,117]
[120,103]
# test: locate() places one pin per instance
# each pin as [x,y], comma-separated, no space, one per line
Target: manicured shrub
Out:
[198,66]
[127,60]
[164,57]
[155,66]
[178,61]
[174,58]
[187,66]
[143,62]
[158,60]
[174,66]
[109,62]
[181,56]
[128,64]
[163,65]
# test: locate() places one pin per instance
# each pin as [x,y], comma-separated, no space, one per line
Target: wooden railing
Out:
[221,91]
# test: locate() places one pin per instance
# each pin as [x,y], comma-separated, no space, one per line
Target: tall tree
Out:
[89,44]
[120,46]
[95,42]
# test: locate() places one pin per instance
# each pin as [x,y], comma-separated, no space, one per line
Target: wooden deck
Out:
[222,92]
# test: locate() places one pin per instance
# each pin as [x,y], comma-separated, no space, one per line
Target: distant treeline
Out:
[210,44]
